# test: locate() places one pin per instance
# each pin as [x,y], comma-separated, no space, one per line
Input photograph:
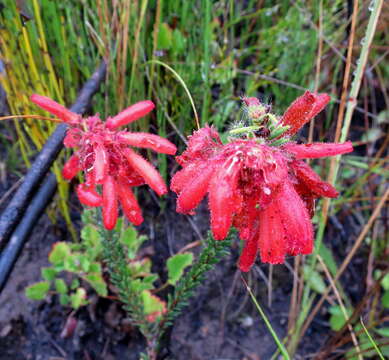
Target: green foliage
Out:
[152,305]
[176,265]
[59,254]
[337,319]
[385,299]
[314,279]
[130,238]
[212,252]
[78,298]
[79,260]
[38,291]
[60,286]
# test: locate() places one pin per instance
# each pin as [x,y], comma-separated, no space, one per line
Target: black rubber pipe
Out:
[16,207]
[16,243]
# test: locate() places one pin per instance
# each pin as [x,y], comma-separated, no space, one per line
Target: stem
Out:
[351,105]
[182,82]
[38,117]
[280,345]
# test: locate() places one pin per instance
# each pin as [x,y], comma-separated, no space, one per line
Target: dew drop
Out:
[266,190]
[371,6]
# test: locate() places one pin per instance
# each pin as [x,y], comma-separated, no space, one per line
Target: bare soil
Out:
[219,323]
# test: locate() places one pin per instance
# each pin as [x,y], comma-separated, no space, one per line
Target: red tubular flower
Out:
[103,153]
[266,192]
[71,167]
[318,150]
[147,171]
[56,109]
[89,196]
[303,109]
[129,204]
[110,203]
[131,114]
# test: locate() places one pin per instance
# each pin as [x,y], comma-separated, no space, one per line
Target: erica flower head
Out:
[104,154]
[258,184]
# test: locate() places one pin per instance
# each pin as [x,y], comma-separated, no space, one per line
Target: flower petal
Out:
[321,101]
[56,109]
[195,190]
[110,203]
[72,138]
[271,235]
[312,181]
[318,150]
[296,221]
[71,167]
[222,199]
[100,165]
[131,114]
[202,144]
[151,176]
[185,175]
[249,253]
[149,141]
[88,196]
[130,205]
[303,109]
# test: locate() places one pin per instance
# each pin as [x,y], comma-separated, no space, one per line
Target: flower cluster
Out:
[267,192]
[105,156]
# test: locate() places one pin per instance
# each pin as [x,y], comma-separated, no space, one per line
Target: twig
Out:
[346,261]
[341,304]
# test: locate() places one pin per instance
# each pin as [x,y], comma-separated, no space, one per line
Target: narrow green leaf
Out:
[376,348]
[383,331]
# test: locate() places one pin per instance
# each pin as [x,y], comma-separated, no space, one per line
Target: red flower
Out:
[104,155]
[303,109]
[266,192]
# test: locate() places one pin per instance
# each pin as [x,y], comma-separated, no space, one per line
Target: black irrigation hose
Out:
[16,207]
[15,214]
[23,230]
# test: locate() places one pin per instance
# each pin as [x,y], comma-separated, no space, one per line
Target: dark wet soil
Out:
[219,323]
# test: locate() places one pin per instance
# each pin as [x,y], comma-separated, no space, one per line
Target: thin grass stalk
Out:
[157,22]
[347,260]
[376,348]
[318,66]
[345,129]
[136,47]
[122,68]
[280,345]
[341,304]
[351,104]
[206,60]
[182,82]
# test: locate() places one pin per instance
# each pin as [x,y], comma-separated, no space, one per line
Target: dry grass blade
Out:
[347,260]
[341,304]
